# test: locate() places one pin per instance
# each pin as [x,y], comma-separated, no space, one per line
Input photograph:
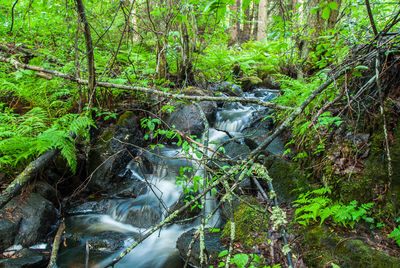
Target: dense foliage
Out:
[170,45]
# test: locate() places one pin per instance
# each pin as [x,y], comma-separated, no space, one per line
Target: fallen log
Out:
[80,81]
[26,175]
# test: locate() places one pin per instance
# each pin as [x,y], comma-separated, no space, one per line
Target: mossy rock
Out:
[125,119]
[286,177]
[355,253]
[194,91]
[323,247]
[112,151]
[251,82]
[361,188]
[248,221]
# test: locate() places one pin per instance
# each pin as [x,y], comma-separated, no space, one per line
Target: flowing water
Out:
[126,219]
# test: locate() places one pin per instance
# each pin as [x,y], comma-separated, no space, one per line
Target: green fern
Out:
[317,206]
[395,234]
[25,137]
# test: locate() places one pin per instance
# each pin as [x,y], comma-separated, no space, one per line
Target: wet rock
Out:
[189,214]
[213,247]
[112,152]
[90,207]
[25,258]
[107,242]
[229,88]
[250,83]
[46,190]
[135,189]
[187,117]
[265,94]
[236,150]
[143,216]
[259,129]
[8,229]
[36,216]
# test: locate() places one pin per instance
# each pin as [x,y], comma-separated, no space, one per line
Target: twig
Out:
[56,245]
[203,161]
[87,254]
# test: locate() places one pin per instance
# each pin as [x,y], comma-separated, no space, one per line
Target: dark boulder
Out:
[32,217]
[46,190]
[25,258]
[8,229]
[112,151]
[212,243]
[143,216]
[187,117]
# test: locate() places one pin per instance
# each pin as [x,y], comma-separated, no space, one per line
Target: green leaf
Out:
[223,253]
[241,260]
[333,5]
[326,13]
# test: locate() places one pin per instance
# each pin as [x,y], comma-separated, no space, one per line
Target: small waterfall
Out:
[135,216]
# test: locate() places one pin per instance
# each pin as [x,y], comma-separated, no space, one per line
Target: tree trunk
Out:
[255,16]
[262,20]
[234,31]
[248,17]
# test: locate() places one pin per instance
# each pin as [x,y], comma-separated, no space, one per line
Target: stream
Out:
[114,223]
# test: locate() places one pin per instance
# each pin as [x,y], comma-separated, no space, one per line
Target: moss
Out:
[250,83]
[355,253]
[248,222]
[193,91]
[105,137]
[363,188]
[324,246]
[124,117]
[286,177]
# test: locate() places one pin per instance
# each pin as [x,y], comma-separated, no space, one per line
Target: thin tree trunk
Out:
[262,20]
[248,17]
[89,54]
[235,25]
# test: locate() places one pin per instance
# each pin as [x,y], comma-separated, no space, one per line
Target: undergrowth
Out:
[24,137]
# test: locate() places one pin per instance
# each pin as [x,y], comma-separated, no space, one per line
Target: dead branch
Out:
[56,245]
[256,152]
[143,89]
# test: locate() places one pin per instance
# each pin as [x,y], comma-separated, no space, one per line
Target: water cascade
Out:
[124,219]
